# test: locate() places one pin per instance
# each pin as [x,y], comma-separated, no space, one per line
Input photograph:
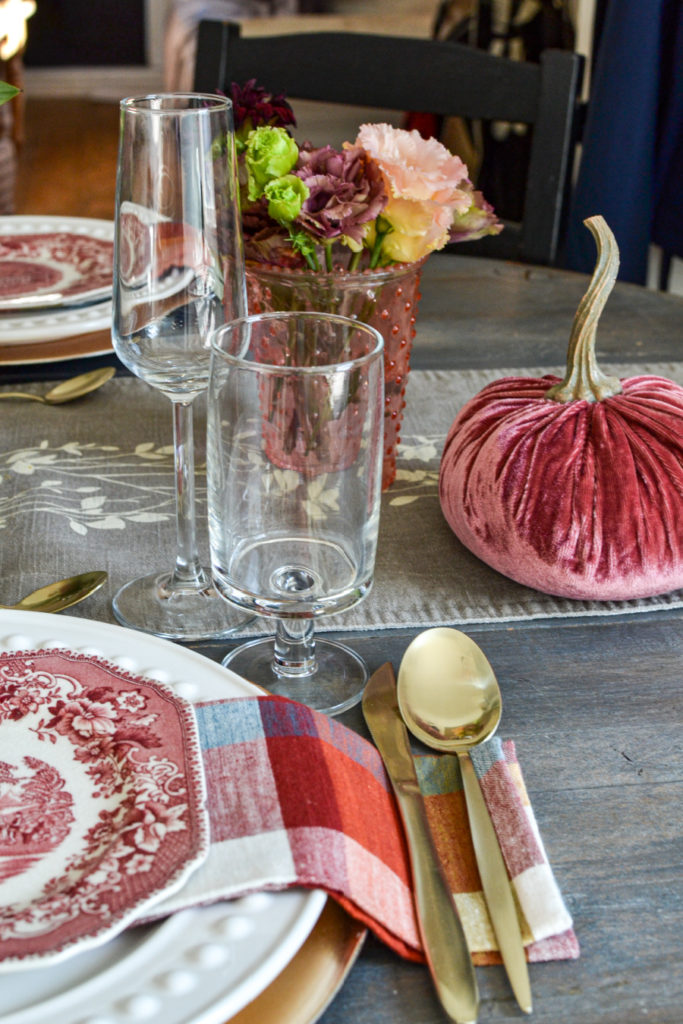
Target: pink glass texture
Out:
[386,299]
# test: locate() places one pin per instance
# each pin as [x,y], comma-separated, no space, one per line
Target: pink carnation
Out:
[415,168]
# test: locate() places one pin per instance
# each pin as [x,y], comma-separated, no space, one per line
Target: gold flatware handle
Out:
[22,394]
[496,885]
[441,931]
[445,946]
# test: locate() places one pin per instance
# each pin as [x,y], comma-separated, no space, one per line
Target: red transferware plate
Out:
[46,263]
[101,802]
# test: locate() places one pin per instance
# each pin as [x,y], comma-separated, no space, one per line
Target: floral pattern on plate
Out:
[101,802]
[47,270]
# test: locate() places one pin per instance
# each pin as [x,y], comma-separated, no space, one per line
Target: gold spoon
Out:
[449,698]
[67,390]
[55,597]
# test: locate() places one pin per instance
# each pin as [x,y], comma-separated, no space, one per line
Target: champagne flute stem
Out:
[294,653]
[187,571]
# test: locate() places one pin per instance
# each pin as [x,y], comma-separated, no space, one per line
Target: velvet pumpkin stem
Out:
[584,379]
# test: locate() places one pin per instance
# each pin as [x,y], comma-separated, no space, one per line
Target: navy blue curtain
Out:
[631,169]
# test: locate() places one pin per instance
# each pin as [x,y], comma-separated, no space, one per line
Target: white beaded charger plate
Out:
[201,965]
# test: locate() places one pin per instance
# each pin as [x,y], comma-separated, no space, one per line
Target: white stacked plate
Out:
[55,277]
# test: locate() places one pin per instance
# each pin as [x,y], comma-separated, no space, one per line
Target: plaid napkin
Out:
[297,799]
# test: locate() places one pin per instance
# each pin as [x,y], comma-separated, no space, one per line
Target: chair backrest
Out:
[443,78]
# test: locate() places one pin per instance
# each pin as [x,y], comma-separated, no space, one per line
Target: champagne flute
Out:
[178,274]
[294,472]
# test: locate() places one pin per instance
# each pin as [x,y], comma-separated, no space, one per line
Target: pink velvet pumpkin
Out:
[573,487]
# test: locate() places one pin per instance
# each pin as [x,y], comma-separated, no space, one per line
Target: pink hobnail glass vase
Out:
[308,425]
[386,299]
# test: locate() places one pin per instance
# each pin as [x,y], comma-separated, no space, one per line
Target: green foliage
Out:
[7,92]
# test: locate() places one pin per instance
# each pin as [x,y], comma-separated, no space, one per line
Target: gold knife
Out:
[496,885]
[441,931]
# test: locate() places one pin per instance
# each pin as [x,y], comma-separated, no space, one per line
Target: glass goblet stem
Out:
[181,604]
[188,571]
[294,648]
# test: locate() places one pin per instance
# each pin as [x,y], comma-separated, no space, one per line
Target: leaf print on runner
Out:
[148,451]
[91,487]
[421,449]
[26,462]
[320,498]
[417,474]
[96,501]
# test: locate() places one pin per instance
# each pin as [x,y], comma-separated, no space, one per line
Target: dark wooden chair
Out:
[443,78]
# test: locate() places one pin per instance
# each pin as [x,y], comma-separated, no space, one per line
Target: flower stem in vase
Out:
[386,298]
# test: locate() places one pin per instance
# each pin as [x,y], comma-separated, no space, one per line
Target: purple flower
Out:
[346,192]
[479,220]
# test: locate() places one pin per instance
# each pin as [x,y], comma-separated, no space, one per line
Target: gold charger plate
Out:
[95,343]
[309,982]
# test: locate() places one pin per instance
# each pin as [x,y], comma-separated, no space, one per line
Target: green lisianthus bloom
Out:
[286,196]
[270,153]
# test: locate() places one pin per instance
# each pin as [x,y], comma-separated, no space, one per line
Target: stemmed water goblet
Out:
[294,471]
[178,274]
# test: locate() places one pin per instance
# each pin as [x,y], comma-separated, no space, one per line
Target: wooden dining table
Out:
[592,700]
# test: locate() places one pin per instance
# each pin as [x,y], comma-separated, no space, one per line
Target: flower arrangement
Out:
[389,197]
[348,231]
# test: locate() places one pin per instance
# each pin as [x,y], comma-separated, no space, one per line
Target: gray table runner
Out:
[90,486]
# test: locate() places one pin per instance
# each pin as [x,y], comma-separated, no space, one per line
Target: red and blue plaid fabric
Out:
[297,799]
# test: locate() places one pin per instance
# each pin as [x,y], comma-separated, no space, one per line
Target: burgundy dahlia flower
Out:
[253,106]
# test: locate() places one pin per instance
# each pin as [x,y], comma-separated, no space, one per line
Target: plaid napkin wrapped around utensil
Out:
[297,799]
